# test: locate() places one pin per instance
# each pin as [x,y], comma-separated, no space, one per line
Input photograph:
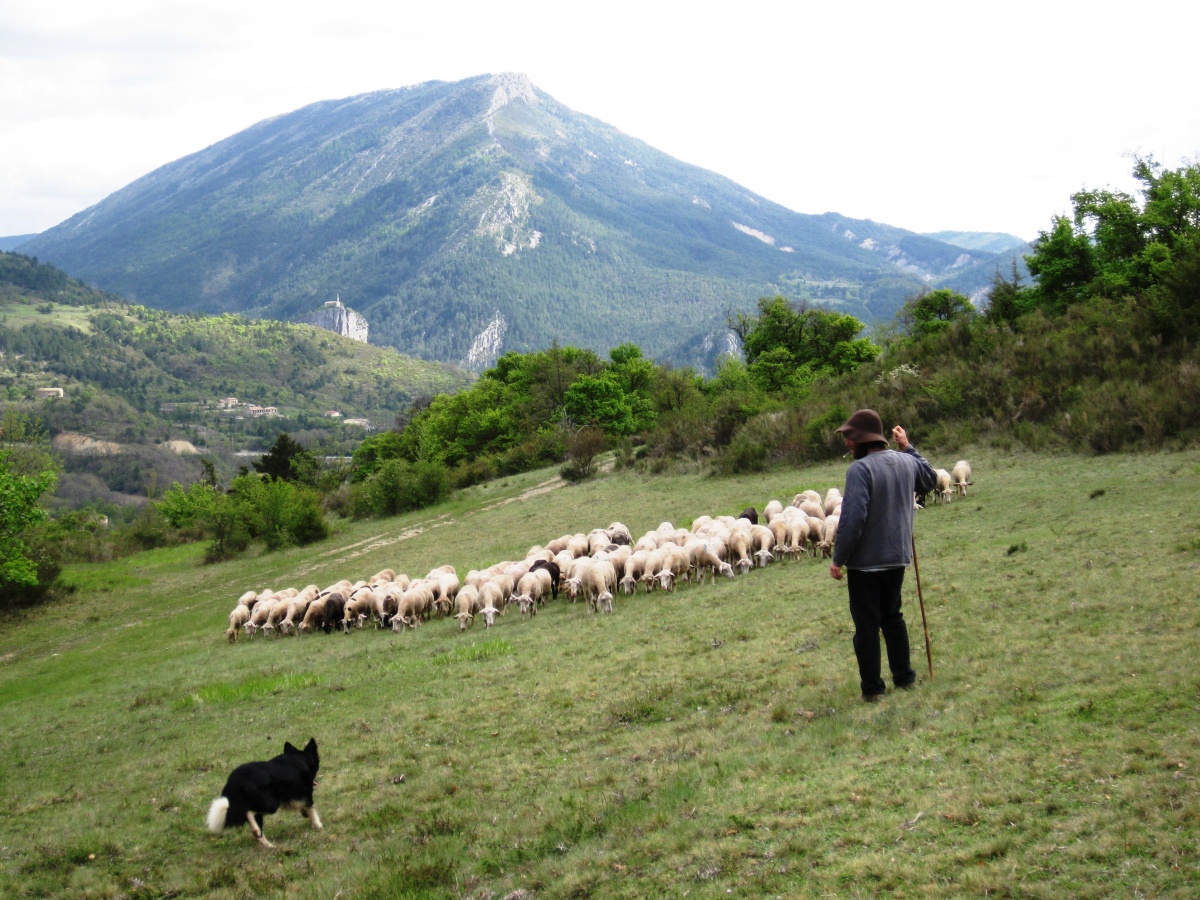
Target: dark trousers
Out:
[875,607]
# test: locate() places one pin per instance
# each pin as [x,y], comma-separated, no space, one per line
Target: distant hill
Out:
[466,219]
[12,242]
[140,378]
[985,241]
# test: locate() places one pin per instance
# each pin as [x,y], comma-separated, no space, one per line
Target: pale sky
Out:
[979,116]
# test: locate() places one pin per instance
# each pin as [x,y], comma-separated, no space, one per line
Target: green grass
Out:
[18,315]
[708,742]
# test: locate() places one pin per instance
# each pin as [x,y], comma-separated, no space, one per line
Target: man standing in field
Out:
[874,543]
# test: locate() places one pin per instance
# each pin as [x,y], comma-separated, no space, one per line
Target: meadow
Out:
[707,742]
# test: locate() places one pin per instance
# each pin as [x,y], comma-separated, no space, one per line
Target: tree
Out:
[818,341]
[933,311]
[287,460]
[19,511]
[27,471]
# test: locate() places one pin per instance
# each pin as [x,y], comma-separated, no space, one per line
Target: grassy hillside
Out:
[139,378]
[709,742]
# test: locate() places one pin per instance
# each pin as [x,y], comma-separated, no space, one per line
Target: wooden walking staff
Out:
[921,600]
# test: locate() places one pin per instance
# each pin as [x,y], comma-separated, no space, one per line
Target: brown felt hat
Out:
[864,427]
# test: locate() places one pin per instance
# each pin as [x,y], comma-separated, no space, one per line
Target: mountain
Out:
[987,241]
[469,218]
[13,241]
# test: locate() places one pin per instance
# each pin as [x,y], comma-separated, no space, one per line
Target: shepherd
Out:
[875,543]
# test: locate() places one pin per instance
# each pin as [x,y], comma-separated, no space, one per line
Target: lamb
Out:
[962,476]
[237,620]
[944,490]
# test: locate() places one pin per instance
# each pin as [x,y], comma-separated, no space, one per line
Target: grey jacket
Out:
[875,530]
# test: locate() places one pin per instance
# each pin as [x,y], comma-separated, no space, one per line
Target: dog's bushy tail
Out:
[216,815]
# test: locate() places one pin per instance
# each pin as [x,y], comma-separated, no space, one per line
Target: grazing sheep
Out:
[809,495]
[259,614]
[674,568]
[635,567]
[944,490]
[297,607]
[812,510]
[763,540]
[833,499]
[749,513]
[489,615]
[705,556]
[248,599]
[494,595]
[334,612]
[779,529]
[619,534]
[555,574]
[314,615]
[961,473]
[797,536]
[383,575]
[772,510]
[466,605]
[237,620]
[740,543]
[828,537]
[578,545]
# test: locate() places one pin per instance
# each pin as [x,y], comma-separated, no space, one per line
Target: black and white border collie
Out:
[257,789]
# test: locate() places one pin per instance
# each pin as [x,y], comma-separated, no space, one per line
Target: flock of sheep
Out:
[591,566]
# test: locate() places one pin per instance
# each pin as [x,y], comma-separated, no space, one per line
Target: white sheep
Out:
[237,620]
[962,476]
[763,540]
[828,537]
[772,511]
[944,489]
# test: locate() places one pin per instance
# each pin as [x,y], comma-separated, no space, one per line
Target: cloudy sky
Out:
[981,116]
